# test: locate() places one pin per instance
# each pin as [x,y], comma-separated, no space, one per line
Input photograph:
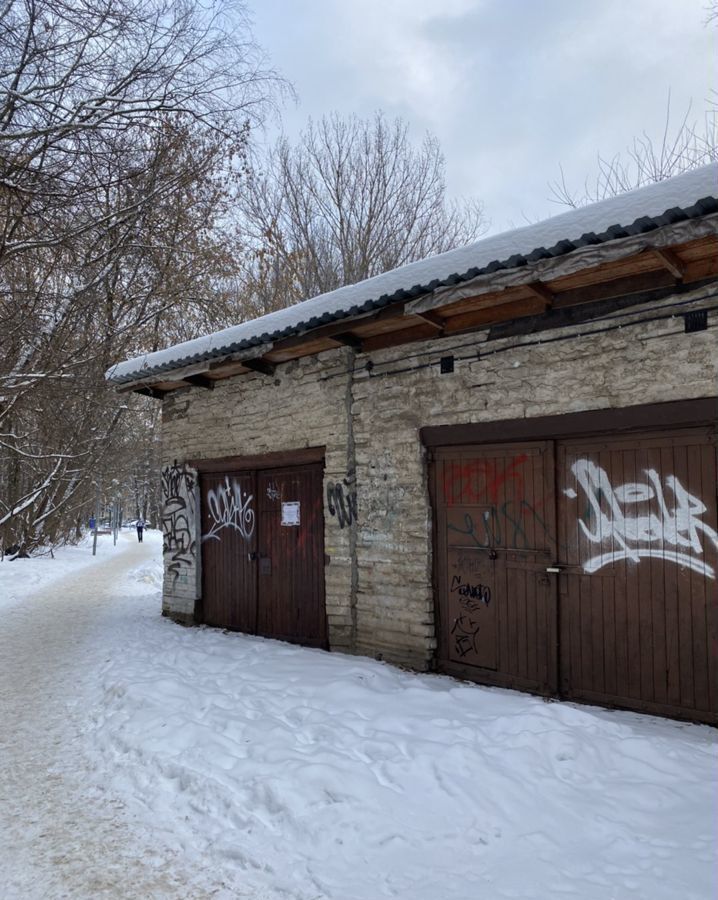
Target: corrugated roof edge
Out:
[643,224]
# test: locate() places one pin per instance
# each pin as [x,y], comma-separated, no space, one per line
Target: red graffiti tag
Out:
[480,480]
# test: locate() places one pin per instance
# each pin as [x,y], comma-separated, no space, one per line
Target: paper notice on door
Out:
[290,513]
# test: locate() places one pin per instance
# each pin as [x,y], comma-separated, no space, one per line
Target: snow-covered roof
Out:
[690,195]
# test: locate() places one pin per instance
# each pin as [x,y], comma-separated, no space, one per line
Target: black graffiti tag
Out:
[342,501]
[465,630]
[502,525]
[472,595]
[178,486]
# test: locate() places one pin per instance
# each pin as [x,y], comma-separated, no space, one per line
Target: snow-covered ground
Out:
[142,759]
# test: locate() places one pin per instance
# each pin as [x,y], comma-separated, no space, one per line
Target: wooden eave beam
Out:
[259,365]
[472,321]
[200,381]
[539,289]
[619,287]
[132,387]
[148,392]
[421,331]
[670,261]
[347,339]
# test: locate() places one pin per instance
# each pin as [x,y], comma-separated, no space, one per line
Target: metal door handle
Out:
[251,557]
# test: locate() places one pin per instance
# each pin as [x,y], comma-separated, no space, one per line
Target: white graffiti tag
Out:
[637,520]
[230,507]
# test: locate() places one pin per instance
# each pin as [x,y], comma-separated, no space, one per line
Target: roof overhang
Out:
[624,271]
[663,239]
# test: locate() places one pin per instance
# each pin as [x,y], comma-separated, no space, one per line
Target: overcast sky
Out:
[512,88]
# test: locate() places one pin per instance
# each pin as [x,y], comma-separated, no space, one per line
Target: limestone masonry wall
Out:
[378,580]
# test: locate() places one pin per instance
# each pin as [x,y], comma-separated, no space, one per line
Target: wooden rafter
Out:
[539,289]
[670,261]
[149,392]
[259,365]
[433,319]
[341,327]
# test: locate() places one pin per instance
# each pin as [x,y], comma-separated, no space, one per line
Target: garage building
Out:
[498,463]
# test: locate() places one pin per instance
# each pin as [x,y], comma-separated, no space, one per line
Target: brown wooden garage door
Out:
[263,553]
[582,568]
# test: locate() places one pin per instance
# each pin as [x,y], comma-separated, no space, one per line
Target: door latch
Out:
[251,557]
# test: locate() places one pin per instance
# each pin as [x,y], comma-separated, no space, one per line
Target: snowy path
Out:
[139,759]
[61,837]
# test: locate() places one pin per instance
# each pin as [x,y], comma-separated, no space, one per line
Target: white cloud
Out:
[511,88]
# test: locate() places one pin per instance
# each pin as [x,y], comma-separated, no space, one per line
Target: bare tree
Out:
[124,126]
[352,198]
[677,149]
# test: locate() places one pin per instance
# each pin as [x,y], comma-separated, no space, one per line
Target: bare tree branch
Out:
[350,199]
[678,149]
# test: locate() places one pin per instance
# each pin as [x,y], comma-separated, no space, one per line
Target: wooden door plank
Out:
[291,549]
[228,511]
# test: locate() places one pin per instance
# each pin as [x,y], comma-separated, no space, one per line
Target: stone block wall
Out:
[379,578]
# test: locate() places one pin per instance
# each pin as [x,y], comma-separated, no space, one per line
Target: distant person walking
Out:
[140,529]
